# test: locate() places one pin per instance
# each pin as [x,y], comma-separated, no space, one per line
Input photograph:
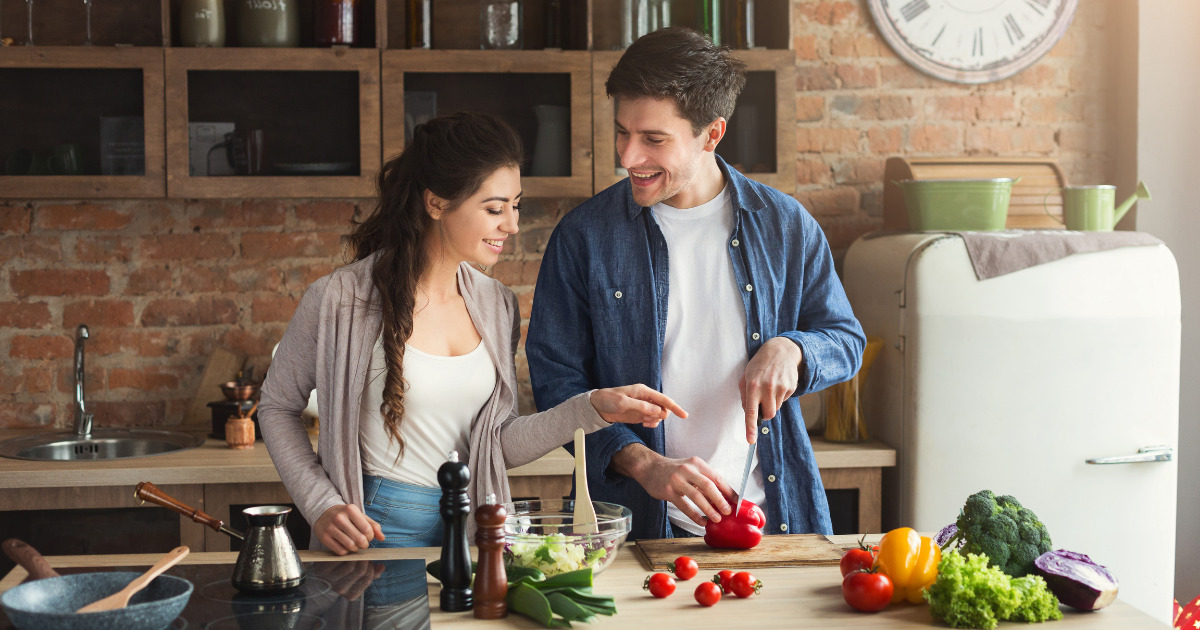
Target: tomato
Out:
[744,584]
[660,584]
[860,558]
[685,568]
[867,591]
[708,593]
[855,560]
[723,577]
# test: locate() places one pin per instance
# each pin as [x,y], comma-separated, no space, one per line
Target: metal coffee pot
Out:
[268,561]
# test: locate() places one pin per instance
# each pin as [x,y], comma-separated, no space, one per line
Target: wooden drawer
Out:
[1035,204]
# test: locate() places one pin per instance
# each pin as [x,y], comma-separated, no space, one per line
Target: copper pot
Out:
[234,390]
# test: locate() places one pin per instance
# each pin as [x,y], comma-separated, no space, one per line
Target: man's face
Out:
[660,151]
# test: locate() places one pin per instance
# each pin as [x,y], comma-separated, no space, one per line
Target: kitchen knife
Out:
[746,474]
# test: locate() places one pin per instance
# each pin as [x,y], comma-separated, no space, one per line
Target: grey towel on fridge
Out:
[997,253]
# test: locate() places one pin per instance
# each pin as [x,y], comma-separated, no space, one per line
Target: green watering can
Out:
[1090,208]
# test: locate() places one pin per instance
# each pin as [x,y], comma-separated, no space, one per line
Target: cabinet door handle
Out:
[1145,454]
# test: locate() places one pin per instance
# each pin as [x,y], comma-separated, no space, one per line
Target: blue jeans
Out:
[408,514]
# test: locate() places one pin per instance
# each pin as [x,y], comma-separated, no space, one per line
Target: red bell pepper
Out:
[741,530]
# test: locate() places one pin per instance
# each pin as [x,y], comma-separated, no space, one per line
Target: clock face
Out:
[972,41]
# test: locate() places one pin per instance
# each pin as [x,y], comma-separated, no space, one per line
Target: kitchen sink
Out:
[101,444]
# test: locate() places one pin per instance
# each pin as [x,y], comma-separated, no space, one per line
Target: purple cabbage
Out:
[945,535]
[1076,579]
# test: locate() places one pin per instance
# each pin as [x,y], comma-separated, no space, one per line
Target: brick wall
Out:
[163,282]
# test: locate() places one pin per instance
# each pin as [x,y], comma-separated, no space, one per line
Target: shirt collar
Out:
[742,195]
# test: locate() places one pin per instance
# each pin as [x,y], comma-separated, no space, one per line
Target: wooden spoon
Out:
[120,599]
[585,513]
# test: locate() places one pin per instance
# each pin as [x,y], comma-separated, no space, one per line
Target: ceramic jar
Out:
[268,23]
[202,23]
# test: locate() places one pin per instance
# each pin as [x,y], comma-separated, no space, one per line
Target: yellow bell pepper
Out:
[910,560]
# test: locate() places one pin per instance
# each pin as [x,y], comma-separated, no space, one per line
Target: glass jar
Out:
[336,22]
[500,24]
[639,17]
[739,23]
[420,24]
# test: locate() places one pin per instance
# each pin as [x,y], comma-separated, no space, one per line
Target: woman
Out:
[411,352]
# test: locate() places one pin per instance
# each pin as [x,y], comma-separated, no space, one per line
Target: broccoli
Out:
[999,527]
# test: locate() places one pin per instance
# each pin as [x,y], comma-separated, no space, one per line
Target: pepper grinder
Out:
[491,580]
[453,477]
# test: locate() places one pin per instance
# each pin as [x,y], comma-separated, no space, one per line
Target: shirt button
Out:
[618,295]
[783,527]
[734,243]
[765,430]
[771,478]
[749,287]
[754,336]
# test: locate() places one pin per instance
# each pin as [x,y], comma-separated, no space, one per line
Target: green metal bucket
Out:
[957,204]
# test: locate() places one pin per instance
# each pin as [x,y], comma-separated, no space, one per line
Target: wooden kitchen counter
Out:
[792,597]
[212,477]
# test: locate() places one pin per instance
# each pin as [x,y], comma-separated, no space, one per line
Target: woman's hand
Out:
[634,404]
[345,529]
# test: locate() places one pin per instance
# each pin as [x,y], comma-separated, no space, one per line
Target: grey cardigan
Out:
[327,346]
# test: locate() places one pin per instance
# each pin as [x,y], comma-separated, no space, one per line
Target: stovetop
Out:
[334,596]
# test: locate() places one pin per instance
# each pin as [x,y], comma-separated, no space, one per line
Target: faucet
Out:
[83,419]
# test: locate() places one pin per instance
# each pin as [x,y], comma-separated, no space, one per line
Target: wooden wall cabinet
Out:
[509,83]
[53,96]
[318,110]
[331,116]
[762,146]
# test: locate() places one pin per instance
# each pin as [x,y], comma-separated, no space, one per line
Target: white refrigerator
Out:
[1037,384]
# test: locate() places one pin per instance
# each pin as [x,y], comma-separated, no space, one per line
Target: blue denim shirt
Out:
[600,315]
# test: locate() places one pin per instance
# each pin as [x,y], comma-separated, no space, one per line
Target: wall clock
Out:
[972,41]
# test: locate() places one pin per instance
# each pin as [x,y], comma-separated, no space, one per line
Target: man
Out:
[691,278]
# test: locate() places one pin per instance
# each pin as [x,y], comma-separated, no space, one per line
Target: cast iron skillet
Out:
[49,601]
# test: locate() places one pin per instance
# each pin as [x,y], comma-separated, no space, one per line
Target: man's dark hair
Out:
[682,65]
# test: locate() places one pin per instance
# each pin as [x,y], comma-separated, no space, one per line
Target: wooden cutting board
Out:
[774,551]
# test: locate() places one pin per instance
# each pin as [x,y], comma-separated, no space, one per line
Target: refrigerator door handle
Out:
[1145,454]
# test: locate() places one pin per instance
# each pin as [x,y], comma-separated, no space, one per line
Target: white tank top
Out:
[442,398]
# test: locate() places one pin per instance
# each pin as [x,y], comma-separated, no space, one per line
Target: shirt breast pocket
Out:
[622,316]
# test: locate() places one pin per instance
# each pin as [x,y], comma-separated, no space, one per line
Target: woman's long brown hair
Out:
[451,156]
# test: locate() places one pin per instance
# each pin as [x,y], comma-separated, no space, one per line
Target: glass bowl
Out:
[541,535]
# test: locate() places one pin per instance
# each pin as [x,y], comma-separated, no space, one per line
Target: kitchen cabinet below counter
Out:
[211,478]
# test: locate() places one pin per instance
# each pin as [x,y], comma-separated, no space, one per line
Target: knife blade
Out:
[746,474]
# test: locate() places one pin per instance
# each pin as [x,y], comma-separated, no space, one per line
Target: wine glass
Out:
[88,4]
[29,13]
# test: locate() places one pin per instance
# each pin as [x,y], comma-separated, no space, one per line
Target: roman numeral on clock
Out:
[913,9]
[1013,29]
[977,43]
[1038,5]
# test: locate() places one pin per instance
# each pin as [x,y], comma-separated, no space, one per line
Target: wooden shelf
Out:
[286,115]
[771,74]
[47,111]
[510,91]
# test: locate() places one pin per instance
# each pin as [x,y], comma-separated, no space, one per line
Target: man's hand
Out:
[771,378]
[634,404]
[673,479]
[345,529]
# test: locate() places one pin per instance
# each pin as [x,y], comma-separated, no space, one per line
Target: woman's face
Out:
[475,231]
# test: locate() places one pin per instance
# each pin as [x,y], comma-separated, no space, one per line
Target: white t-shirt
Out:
[442,398]
[704,353]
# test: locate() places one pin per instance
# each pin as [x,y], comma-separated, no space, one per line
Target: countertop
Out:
[792,597]
[215,462]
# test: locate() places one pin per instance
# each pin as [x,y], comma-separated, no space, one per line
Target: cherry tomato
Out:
[855,560]
[708,593]
[686,568]
[744,584]
[660,584]
[723,578]
[860,558]
[867,591]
